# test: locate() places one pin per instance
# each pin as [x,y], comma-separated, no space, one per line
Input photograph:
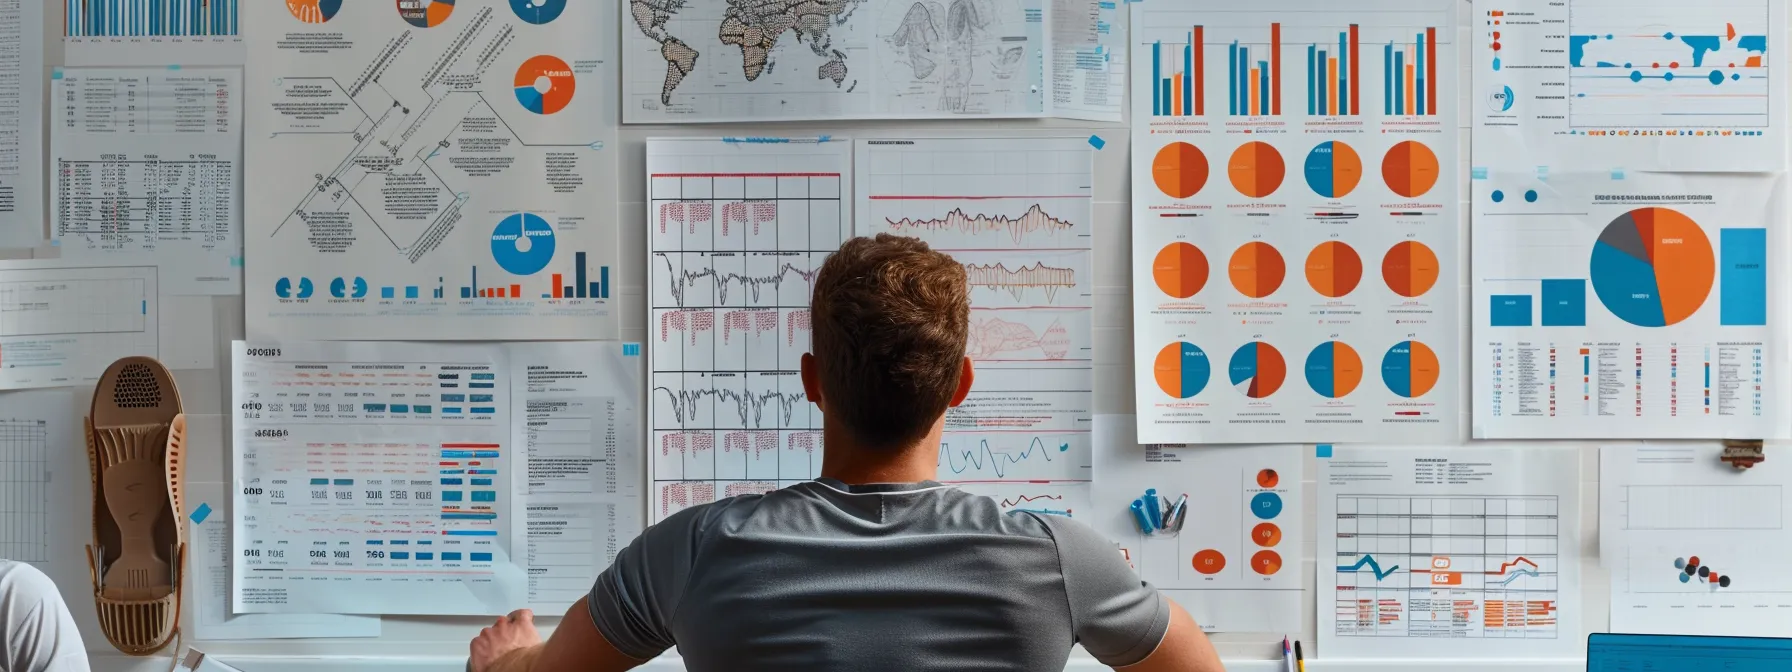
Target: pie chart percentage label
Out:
[1266,505]
[1266,535]
[1410,369]
[544,84]
[1256,269]
[1182,370]
[523,244]
[1257,370]
[1334,269]
[1334,370]
[425,13]
[1266,563]
[1209,561]
[313,11]
[1410,169]
[1256,169]
[1180,270]
[1179,170]
[538,11]
[1410,269]
[1653,267]
[1333,169]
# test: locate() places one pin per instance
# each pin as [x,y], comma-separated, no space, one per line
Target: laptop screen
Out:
[1684,653]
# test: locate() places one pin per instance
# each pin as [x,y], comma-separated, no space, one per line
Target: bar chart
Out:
[1409,75]
[1255,87]
[1181,93]
[150,18]
[1334,84]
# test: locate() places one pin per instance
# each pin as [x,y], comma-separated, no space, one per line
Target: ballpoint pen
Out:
[1300,661]
[1287,655]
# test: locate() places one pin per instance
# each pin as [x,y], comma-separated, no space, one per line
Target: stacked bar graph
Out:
[1256,78]
[1409,76]
[150,18]
[1181,93]
[1333,77]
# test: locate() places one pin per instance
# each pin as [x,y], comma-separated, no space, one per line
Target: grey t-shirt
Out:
[910,577]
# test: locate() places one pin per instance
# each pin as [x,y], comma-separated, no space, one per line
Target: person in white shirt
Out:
[38,632]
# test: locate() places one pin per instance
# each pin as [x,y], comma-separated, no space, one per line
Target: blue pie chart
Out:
[1266,505]
[538,11]
[523,244]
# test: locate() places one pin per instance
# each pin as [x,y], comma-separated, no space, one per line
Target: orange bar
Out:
[1356,68]
[1331,92]
[1200,47]
[516,291]
[558,288]
[1409,89]
[1431,70]
[1176,95]
[1256,96]
[1275,68]
[1752,62]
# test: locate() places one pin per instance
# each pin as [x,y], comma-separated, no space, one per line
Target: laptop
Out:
[1687,653]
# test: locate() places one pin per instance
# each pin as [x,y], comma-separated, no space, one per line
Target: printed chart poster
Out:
[1017,212]
[1234,562]
[1450,552]
[1694,546]
[431,170]
[1629,305]
[1294,223]
[158,32]
[1638,84]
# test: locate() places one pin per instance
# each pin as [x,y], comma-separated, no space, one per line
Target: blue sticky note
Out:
[200,514]
[1617,173]
[1323,451]
[631,349]
[1096,142]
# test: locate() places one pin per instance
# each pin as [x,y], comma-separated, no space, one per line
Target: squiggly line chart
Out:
[681,281]
[749,404]
[983,457]
[1034,220]
[1018,281]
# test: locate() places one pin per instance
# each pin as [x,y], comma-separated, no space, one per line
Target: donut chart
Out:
[1653,267]
[1410,169]
[1334,269]
[1257,370]
[1410,369]
[1209,561]
[1182,370]
[523,244]
[425,13]
[1256,269]
[544,84]
[1179,170]
[1256,169]
[1410,269]
[538,12]
[1333,169]
[1334,370]
[313,11]
[1180,270]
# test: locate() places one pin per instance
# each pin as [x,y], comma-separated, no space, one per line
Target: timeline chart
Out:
[736,235]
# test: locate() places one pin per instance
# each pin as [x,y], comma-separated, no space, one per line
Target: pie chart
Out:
[1266,505]
[1266,534]
[1410,369]
[523,244]
[1256,169]
[1334,269]
[1410,269]
[425,13]
[1653,267]
[1182,370]
[313,11]
[1266,562]
[544,84]
[1257,370]
[1179,170]
[538,11]
[1333,169]
[1268,478]
[1410,169]
[1334,369]
[1256,269]
[1209,561]
[1180,270]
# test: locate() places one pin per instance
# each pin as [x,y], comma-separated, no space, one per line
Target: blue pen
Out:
[1154,508]
[1138,514]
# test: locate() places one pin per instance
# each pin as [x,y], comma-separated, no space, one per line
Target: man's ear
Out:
[811,380]
[967,373]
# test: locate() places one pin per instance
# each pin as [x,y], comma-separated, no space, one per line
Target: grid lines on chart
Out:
[24,515]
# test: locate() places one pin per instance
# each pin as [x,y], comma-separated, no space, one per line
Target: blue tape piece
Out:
[200,514]
[236,262]
[1323,451]
[1617,173]
[1477,172]
[173,67]
[824,138]
[631,349]
[1096,142]
[56,73]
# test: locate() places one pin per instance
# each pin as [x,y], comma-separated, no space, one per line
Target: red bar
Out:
[1356,69]
[1200,49]
[516,291]
[557,286]
[1431,70]
[1275,68]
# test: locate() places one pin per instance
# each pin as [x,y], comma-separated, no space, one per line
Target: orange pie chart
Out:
[1209,561]
[1179,170]
[1266,562]
[1180,270]
[1266,534]
[1268,478]
[1410,169]
[1334,269]
[1256,269]
[1410,268]
[1256,169]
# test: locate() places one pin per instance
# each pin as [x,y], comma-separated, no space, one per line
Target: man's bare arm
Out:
[512,645]
[1184,648]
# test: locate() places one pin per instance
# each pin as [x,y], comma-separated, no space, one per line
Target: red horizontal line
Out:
[470,445]
[999,249]
[1038,308]
[1059,480]
[968,198]
[1029,360]
[739,175]
[1016,431]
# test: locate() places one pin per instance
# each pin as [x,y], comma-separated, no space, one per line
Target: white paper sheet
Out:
[189,339]
[148,171]
[1017,213]
[376,478]
[1450,552]
[1293,259]
[208,549]
[576,410]
[1638,84]
[32,425]
[152,32]
[736,233]
[63,323]
[21,117]
[439,173]
[1665,508]
[1235,565]
[1088,68]
[1633,305]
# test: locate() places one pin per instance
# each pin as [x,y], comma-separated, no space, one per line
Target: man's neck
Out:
[843,459]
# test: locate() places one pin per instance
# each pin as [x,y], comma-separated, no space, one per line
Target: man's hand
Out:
[509,635]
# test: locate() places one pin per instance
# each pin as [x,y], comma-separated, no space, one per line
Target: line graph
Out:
[997,462]
[1006,336]
[1034,220]
[750,406]
[1070,500]
[1018,282]
[1374,567]
[680,281]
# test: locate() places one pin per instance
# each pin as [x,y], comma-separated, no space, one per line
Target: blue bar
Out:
[410,292]
[1312,84]
[1387,79]
[375,542]
[457,454]
[1399,82]
[451,495]
[482,481]
[1232,76]
[424,542]
[603,273]
[469,516]
[400,542]
[485,376]
[457,398]
[1157,78]
[578,259]
[1343,73]
[1324,108]
[1263,106]
[400,408]
[1742,277]
[1510,310]
[345,481]
[476,410]
[1159,90]
[466,293]
[484,386]
[419,408]
[373,408]
[450,410]
[320,481]
[492,472]
[1188,77]
[451,481]
[1565,303]
[1243,80]
[401,555]
[1418,75]
[486,454]
[480,398]
[448,556]
[482,557]
[426,556]
[388,293]
[473,533]
[485,496]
